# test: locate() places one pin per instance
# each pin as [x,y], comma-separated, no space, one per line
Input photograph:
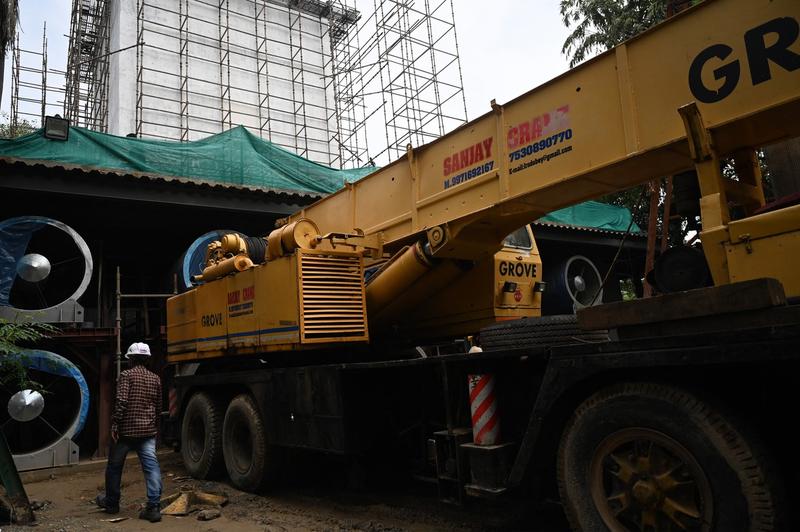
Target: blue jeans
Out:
[146,450]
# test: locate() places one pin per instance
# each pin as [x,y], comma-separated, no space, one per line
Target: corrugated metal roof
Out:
[288,195]
[635,234]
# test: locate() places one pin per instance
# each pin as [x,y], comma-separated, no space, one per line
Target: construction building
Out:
[333,84]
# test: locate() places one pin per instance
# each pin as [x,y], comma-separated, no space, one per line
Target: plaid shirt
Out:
[138,403]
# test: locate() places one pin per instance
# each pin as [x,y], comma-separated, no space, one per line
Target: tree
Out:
[8,26]
[10,131]
[603,24]
[12,336]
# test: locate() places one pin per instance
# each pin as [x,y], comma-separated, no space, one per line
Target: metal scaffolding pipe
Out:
[119,296]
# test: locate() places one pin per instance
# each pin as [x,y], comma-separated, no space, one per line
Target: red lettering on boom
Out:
[545,124]
[468,156]
[487,147]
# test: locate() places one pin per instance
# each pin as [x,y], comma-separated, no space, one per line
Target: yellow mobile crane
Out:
[647,427]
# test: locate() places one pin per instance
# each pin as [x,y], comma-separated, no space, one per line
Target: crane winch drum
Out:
[193,260]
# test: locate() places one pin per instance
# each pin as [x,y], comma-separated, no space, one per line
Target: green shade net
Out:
[234,157]
[237,157]
[593,214]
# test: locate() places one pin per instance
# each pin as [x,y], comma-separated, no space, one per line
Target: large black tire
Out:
[538,332]
[201,437]
[634,452]
[248,458]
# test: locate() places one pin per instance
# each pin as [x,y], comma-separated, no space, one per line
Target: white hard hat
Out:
[138,349]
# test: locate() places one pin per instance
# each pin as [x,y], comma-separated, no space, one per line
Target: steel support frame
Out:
[717,190]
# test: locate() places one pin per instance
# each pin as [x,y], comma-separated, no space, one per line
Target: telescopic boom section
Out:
[607,125]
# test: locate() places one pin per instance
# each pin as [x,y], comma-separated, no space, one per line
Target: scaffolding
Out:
[313,76]
[86,98]
[205,66]
[347,83]
[410,61]
[37,90]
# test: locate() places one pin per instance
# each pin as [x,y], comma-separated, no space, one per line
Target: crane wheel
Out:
[249,459]
[643,456]
[201,437]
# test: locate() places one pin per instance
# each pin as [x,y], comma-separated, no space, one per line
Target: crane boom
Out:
[609,124]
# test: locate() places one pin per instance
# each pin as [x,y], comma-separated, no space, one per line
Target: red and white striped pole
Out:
[483,405]
[173,402]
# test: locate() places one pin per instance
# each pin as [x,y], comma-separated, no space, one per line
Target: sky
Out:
[32,16]
[507,47]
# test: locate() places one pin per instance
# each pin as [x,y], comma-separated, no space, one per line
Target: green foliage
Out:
[729,171]
[8,23]
[9,131]
[13,336]
[603,24]
[598,26]
[628,289]
[636,200]
[9,10]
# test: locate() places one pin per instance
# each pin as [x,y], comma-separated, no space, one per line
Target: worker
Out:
[134,428]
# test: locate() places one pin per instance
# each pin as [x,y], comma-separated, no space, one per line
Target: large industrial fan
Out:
[583,281]
[40,425]
[194,258]
[573,285]
[45,266]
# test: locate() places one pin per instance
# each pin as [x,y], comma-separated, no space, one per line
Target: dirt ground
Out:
[308,503]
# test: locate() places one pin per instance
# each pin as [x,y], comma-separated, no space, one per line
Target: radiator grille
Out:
[332,298]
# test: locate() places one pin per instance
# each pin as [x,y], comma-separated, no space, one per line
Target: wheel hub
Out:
[642,479]
[646,493]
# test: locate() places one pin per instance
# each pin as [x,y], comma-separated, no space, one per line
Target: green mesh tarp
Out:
[235,157]
[593,214]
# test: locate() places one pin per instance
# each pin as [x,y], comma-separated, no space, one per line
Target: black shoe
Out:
[151,513]
[102,503]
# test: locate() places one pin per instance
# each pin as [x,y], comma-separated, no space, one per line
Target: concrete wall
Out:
[270,72]
[122,69]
